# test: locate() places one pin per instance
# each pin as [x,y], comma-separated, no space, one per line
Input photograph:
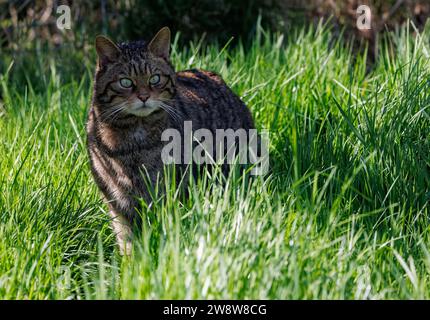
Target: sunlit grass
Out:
[343,213]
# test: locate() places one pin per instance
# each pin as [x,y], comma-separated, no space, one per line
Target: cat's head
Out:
[135,78]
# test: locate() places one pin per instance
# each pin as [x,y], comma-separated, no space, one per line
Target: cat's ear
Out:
[160,44]
[107,50]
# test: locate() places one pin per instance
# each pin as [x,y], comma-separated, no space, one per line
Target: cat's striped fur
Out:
[125,124]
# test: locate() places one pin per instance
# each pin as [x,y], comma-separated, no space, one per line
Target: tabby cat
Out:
[137,95]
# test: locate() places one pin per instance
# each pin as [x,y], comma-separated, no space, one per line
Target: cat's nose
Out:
[143,97]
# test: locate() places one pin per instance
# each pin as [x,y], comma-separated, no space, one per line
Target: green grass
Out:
[343,214]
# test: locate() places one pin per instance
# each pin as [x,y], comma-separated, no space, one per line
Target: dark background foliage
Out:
[24,21]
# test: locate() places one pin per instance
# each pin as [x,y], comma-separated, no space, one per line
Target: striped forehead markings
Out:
[142,67]
[134,68]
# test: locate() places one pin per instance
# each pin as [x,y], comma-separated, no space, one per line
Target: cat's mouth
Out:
[143,109]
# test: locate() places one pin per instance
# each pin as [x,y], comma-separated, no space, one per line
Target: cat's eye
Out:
[155,79]
[125,83]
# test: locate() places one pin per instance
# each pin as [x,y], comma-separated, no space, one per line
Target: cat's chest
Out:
[127,154]
[127,171]
[139,135]
[123,142]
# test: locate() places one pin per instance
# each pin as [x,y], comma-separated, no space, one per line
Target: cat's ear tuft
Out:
[160,44]
[107,50]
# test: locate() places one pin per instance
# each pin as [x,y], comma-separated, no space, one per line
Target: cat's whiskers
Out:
[115,112]
[168,106]
[172,112]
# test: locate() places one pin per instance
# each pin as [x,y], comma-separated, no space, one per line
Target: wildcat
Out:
[137,95]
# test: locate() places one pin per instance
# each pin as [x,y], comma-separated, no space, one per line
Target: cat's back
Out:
[196,77]
[207,97]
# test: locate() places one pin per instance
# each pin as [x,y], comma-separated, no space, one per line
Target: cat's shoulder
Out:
[199,76]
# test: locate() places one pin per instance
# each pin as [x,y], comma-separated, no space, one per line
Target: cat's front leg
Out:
[123,231]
